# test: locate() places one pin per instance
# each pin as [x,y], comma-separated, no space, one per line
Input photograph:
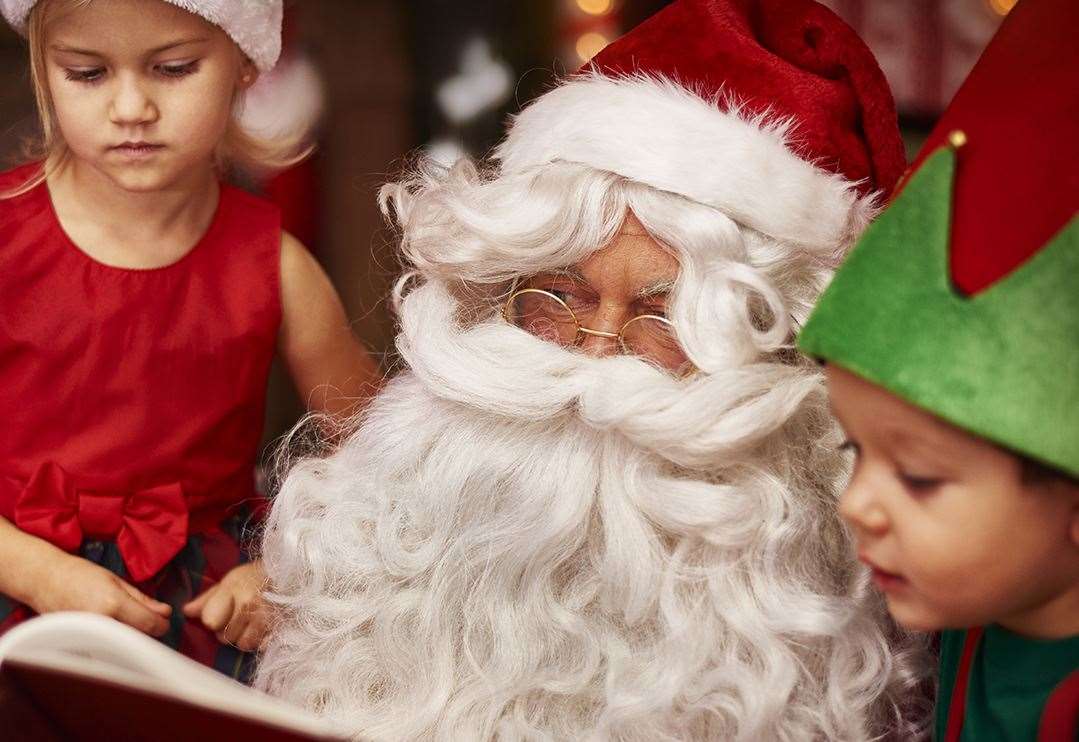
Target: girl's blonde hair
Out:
[237,148]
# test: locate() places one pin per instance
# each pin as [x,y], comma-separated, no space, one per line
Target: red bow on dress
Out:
[149,526]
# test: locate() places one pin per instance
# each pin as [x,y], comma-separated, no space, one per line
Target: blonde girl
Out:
[141,302]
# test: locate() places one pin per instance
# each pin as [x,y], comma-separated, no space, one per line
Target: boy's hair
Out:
[1035,472]
[237,148]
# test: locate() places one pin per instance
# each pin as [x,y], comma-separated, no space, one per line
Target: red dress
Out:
[132,401]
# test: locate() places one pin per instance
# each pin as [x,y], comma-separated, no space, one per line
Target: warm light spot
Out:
[595,7]
[1001,7]
[590,44]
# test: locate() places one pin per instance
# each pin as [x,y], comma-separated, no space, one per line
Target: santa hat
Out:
[255,25]
[772,111]
[963,297]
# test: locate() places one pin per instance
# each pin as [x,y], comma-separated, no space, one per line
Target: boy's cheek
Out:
[931,608]
[937,580]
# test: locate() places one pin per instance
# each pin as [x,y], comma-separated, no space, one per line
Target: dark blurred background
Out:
[375,79]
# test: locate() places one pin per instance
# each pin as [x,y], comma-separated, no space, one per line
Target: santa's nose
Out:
[599,332]
[599,342]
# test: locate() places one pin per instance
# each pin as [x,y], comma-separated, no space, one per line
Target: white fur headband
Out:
[255,25]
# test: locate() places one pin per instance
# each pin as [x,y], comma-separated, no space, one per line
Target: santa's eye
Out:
[571,295]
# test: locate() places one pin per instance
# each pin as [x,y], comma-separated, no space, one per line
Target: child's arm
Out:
[332,371]
[36,573]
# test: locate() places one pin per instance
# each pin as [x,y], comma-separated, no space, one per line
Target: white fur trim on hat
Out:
[255,25]
[659,133]
[287,102]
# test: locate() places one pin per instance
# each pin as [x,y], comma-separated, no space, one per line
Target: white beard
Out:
[520,542]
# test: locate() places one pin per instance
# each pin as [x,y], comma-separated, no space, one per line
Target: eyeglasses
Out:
[548,316]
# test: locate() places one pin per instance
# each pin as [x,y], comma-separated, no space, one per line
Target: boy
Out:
[952,342]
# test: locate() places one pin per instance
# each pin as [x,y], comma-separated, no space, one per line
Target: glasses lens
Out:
[544,316]
[654,339]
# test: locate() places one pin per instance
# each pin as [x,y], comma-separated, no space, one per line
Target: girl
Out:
[142,303]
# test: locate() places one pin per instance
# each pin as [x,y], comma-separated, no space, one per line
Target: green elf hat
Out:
[963,296]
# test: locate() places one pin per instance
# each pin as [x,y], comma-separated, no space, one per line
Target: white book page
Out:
[98,647]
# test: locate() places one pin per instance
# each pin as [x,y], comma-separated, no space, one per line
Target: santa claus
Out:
[599,501]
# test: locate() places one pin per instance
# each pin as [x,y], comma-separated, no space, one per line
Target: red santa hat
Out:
[772,111]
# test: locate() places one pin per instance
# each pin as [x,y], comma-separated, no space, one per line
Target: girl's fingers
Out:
[161,609]
[136,614]
[252,637]
[231,612]
[194,607]
[235,628]
[217,610]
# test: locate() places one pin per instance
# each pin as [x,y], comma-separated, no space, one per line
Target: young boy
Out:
[952,342]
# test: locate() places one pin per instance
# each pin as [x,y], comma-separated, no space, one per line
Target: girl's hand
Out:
[70,583]
[234,608]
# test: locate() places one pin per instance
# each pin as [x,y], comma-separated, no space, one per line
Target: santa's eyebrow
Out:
[571,272]
[664,286]
[656,288]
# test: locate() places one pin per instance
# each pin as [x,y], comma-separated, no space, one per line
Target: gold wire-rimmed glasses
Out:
[546,315]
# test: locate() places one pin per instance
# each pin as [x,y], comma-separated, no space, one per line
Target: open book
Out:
[79,676]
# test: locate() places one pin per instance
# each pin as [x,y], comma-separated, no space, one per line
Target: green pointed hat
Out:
[963,297]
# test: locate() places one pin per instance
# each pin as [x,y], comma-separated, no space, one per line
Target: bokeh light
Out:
[595,7]
[590,44]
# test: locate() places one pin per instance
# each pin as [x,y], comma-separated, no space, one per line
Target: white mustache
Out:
[699,422]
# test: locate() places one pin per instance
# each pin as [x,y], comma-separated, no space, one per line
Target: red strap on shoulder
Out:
[957,708]
[1060,718]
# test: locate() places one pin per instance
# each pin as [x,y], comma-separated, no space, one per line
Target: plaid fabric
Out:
[204,560]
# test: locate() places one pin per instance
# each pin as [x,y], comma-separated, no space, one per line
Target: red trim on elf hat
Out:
[785,58]
[1017,175]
